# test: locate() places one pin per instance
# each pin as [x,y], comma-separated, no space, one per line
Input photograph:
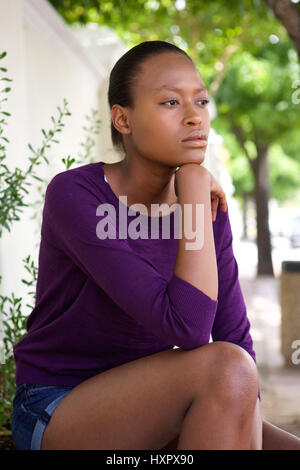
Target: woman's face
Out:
[163,117]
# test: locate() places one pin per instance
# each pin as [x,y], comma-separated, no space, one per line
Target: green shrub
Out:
[13,190]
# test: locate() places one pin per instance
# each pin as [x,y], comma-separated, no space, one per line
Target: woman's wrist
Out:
[192,181]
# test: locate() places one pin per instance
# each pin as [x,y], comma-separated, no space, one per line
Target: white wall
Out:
[47,64]
[105,47]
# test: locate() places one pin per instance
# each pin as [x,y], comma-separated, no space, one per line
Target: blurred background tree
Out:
[246,52]
[254,105]
[287,12]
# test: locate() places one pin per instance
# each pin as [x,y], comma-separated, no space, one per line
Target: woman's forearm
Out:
[198,266]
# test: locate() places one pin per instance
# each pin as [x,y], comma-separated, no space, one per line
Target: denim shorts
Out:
[33,406]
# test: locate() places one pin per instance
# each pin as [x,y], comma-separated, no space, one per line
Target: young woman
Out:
[117,353]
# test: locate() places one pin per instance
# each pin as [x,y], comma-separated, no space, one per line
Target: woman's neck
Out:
[141,182]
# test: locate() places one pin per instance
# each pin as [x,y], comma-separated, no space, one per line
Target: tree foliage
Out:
[256,108]
[243,54]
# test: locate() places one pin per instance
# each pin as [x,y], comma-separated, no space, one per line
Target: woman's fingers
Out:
[214,207]
[217,194]
[223,202]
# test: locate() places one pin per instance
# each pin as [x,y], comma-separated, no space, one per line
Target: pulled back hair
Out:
[124,73]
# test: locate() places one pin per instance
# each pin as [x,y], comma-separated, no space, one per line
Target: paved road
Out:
[280,384]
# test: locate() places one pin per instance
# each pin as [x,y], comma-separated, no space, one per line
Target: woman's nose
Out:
[192,117]
[192,120]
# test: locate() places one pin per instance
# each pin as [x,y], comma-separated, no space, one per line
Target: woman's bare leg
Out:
[207,396]
[256,435]
[257,429]
[223,421]
[275,438]
[265,435]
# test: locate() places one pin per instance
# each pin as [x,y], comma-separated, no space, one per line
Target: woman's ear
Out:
[120,119]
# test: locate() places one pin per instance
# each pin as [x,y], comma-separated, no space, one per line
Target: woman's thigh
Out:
[138,405]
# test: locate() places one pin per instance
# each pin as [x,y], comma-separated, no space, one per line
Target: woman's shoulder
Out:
[81,187]
[89,172]
[87,180]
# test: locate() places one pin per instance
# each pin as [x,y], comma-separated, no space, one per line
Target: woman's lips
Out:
[195,142]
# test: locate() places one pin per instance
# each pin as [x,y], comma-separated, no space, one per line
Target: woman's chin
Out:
[192,159]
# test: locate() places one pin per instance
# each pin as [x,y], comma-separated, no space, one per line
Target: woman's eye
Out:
[169,101]
[204,102]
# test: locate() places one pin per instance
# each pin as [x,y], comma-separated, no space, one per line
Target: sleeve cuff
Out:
[196,308]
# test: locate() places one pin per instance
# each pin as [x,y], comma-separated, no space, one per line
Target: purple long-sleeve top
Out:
[102,302]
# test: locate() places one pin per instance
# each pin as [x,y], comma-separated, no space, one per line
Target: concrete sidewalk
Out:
[280,384]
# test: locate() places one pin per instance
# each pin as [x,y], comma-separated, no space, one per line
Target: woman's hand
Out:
[216,192]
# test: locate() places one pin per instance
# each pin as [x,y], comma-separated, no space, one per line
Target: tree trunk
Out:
[262,195]
[245,212]
[289,17]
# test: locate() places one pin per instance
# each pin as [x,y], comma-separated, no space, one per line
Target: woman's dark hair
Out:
[124,73]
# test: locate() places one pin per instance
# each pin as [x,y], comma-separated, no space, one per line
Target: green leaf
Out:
[37,178]
[31,148]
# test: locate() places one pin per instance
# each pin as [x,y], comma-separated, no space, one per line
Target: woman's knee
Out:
[231,373]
